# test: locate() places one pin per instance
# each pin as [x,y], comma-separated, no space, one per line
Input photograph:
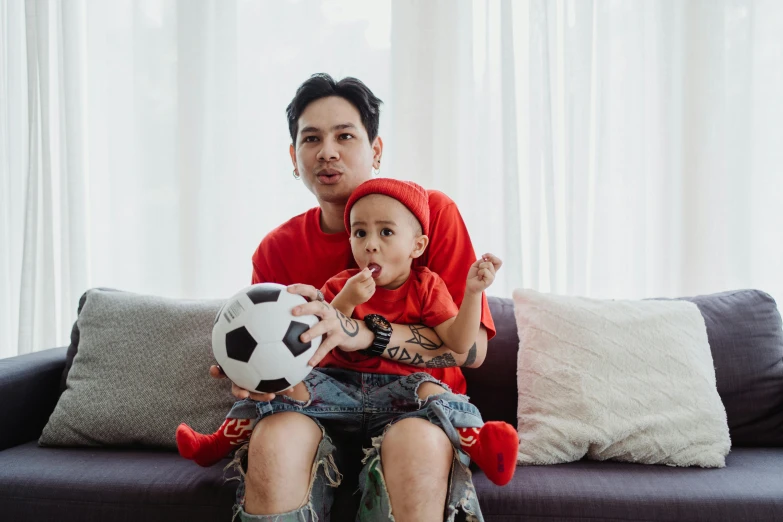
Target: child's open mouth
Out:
[375,268]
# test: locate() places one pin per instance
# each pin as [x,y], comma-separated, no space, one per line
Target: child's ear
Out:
[420,244]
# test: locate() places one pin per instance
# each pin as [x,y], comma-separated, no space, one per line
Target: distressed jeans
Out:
[344,402]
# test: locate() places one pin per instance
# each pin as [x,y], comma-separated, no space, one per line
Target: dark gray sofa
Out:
[746,339]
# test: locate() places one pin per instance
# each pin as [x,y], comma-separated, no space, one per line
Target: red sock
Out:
[493,447]
[206,450]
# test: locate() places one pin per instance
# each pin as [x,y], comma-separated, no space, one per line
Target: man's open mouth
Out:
[328,177]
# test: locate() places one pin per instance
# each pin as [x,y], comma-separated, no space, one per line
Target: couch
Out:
[89,484]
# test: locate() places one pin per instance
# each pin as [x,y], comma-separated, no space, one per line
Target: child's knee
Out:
[429,388]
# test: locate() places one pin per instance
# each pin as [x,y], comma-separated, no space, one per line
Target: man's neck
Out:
[332,218]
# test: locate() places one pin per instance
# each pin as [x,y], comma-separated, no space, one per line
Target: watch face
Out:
[380,322]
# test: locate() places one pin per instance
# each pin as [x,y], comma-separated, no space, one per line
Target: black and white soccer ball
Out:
[255,339]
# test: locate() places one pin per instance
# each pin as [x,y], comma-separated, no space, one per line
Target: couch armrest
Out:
[29,390]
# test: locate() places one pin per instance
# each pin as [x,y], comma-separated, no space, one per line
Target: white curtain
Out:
[144,144]
[606,148]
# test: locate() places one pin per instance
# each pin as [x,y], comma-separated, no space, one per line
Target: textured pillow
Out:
[141,368]
[622,380]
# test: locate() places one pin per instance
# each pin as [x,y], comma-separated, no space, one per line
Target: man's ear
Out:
[377,152]
[292,152]
[420,243]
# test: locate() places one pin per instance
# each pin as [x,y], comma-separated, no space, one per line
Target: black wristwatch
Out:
[382,330]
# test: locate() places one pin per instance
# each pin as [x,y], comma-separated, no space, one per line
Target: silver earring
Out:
[296,176]
[376,172]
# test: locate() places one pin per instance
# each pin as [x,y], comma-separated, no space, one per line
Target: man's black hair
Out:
[322,85]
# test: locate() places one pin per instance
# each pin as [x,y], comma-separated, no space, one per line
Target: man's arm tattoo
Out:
[442,361]
[471,356]
[402,355]
[350,326]
[418,338]
[446,360]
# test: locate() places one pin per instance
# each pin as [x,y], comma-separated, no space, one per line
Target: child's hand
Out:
[482,273]
[359,289]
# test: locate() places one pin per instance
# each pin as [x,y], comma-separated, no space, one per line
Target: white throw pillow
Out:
[622,380]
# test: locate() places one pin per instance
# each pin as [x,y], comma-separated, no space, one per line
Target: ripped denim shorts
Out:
[344,402]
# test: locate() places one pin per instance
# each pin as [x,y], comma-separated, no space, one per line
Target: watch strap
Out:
[382,335]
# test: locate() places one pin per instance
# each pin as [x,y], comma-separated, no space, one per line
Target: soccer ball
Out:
[255,339]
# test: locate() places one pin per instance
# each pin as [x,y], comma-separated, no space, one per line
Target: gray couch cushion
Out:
[750,487]
[141,368]
[28,394]
[492,387]
[84,485]
[87,484]
[745,333]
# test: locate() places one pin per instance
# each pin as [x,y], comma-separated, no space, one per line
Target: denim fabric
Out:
[344,402]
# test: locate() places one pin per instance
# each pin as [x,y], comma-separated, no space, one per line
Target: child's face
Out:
[386,236]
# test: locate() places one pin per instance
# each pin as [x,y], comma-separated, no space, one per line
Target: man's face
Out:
[332,153]
[383,237]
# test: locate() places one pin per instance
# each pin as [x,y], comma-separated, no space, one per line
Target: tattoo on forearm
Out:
[405,356]
[471,356]
[350,326]
[419,338]
[447,360]
[442,361]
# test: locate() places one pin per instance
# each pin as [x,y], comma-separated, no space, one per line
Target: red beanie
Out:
[413,196]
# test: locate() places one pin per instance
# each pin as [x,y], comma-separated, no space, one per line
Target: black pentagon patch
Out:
[273,385]
[291,339]
[240,344]
[260,294]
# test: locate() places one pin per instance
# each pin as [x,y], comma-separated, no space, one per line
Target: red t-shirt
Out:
[422,299]
[298,251]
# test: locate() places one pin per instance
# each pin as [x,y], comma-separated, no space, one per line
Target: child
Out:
[388,221]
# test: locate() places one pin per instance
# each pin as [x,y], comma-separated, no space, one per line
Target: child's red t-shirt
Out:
[298,251]
[422,299]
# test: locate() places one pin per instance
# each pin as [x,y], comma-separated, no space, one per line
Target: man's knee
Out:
[429,388]
[419,444]
[283,440]
[282,450]
[416,457]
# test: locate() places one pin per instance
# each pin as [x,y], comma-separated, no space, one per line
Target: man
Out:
[290,460]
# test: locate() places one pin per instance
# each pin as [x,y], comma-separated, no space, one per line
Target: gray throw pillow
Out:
[140,368]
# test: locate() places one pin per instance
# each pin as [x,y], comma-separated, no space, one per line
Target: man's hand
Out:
[482,273]
[358,289]
[240,393]
[337,330]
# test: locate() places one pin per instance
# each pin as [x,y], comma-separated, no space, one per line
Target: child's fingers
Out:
[487,266]
[492,258]
[362,276]
[486,275]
